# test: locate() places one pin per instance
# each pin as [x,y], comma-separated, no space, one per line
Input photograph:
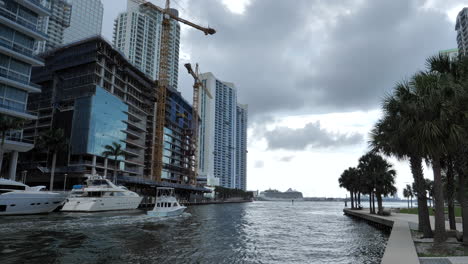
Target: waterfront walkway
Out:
[400,246]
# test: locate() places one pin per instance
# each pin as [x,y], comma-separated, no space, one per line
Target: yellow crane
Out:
[163,82]
[195,111]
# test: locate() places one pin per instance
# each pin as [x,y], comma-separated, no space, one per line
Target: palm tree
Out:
[54,141]
[408,193]
[374,166]
[349,181]
[389,138]
[8,123]
[115,150]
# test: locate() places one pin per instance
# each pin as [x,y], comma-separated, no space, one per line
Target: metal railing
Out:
[9,74]
[38,4]
[23,22]
[18,48]
[19,139]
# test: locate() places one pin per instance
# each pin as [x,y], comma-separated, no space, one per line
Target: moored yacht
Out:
[166,203]
[19,199]
[100,194]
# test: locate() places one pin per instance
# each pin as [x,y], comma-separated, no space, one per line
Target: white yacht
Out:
[100,194]
[166,203]
[19,199]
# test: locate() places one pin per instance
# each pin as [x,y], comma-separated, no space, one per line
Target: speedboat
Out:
[166,203]
[19,199]
[99,194]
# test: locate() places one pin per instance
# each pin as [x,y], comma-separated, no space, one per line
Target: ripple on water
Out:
[260,232]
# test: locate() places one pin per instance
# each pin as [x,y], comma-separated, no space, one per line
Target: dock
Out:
[400,246]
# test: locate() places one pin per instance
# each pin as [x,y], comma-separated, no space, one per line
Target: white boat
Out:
[100,194]
[166,203]
[19,199]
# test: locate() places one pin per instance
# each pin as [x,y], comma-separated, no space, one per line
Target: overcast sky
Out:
[313,73]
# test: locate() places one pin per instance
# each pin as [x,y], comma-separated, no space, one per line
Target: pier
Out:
[400,246]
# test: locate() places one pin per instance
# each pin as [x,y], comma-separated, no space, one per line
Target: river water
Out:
[258,232]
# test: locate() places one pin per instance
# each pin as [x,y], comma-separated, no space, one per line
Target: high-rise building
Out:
[451,53]
[461,27]
[86,20]
[97,97]
[241,146]
[54,25]
[19,31]
[222,136]
[137,33]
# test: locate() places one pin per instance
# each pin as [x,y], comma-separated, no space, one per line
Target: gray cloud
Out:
[259,164]
[315,56]
[312,135]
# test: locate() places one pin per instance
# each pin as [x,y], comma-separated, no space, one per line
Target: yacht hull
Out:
[26,203]
[99,204]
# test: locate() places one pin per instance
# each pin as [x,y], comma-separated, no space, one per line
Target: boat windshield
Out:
[98,183]
[12,187]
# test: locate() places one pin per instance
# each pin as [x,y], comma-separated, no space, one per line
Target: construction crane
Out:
[163,83]
[197,83]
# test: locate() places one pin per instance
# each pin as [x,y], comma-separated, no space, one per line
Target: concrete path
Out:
[400,246]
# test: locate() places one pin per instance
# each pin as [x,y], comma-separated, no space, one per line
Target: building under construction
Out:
[97,97]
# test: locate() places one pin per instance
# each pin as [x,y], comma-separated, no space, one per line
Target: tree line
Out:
[425,119]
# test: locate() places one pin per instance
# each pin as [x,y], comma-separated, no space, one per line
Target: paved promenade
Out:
[400,247]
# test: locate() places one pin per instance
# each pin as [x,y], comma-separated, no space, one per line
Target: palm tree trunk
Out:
[1,159]
[411,201]
[355,200]
[408,201]
[359,198]
[462,198]
[115,170]
[370,203]
[439,230]
[352,199]
[379,204]
[373,202]
[451,195]
[52,171]
[423,212]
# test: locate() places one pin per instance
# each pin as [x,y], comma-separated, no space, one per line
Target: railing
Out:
[5,73]
[18,48]
[16,109]
[38,4]
[19,139]
[18,19]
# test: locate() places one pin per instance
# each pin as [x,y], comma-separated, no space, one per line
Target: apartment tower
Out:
[137,33]
[19,32]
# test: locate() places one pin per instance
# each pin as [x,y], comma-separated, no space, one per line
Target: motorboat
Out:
[100,194]
[17,198]
[166,203]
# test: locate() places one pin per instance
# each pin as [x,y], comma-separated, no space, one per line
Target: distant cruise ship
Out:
[275,195]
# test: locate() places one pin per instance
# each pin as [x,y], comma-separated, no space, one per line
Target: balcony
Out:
[140,127]
[18,23]
[17,80]
[18,144]
[17,112]
[19,52]
[35,6]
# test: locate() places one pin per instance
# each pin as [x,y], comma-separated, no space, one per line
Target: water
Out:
[259,232]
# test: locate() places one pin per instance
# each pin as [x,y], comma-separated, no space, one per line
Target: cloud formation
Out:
[312,135]
[259,164]
[315,56]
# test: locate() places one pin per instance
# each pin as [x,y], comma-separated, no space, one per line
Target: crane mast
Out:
[163,85]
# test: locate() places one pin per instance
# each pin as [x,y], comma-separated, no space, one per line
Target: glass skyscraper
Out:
[18,33]
[86,20]
[54,25]
[241,146]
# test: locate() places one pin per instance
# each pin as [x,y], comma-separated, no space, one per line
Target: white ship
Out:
[19,199]
[100,194]
[275,195]
[166,204]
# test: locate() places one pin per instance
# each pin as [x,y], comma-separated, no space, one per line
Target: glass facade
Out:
[98,121]
[12,98]
[86,20]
